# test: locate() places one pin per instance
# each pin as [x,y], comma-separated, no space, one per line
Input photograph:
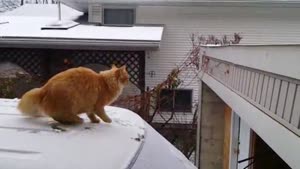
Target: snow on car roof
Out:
[128,142]
[33,143]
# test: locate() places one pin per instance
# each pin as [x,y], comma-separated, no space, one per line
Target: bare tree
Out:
[147,104]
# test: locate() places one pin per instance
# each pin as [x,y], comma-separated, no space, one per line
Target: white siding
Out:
[258,26]
[172,52]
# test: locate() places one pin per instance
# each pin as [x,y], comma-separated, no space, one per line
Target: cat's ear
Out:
[113,66]
[121,70]
[123,67]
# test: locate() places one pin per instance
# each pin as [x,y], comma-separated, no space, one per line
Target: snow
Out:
[27,21]
[34,144]
[44,11]
[128,142]
[118,145]
[158,153]
[213,45]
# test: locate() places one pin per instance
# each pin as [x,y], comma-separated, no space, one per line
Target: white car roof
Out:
[128,142]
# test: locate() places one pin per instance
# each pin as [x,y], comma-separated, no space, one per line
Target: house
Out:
[250,91]
[256,97]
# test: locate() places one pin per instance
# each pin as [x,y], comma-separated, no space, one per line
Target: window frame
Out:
[174,101]
[133,8]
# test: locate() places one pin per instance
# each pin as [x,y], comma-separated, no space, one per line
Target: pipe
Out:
[198,136]
[59,10]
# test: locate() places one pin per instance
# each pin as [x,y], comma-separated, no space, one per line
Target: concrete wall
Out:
[212,130]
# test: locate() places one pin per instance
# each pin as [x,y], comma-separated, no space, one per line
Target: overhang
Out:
[23,27]
[82,5]
[19,34]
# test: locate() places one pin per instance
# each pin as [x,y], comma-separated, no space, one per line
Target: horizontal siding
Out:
[264,26]
[272,26]
[173,50]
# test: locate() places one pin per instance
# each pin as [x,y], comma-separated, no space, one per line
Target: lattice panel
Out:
[134,61]
[29,59]
[46,62]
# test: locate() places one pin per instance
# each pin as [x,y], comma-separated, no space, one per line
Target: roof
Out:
[7,5]
[128,142]
[82,5]
[25,23]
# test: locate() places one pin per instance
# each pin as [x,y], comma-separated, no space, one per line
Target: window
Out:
[176,100]
[119,16]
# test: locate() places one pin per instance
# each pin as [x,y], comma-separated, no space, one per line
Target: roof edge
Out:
[79,43]
[235,3]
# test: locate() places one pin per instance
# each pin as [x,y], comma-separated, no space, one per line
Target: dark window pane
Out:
[166,100]
[183,100]
[178,100]
[119,16]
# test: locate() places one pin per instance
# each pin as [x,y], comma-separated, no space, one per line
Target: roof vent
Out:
[60,24]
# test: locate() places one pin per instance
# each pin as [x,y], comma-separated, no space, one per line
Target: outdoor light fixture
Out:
[151,73]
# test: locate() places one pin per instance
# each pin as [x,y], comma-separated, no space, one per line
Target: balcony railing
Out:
[278,96]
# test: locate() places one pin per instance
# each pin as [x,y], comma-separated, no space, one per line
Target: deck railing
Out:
[278,96]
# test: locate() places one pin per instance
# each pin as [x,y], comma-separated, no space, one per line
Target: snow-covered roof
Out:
[7,5]
[127,142]
[82,5]
[25,23]
[43,11]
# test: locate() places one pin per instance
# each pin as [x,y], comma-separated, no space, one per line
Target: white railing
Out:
[276,95]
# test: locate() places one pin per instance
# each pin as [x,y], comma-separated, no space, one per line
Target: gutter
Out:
[233,3]
[62,43]
[251,45]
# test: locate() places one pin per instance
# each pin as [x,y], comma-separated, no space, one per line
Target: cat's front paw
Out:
[107,120]
[95,121]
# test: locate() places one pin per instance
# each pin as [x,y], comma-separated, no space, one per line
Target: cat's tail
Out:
[30,103]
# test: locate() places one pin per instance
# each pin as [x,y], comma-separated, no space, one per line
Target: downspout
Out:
[59,10]
[198,135]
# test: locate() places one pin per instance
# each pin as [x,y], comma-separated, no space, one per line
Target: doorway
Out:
[263,155]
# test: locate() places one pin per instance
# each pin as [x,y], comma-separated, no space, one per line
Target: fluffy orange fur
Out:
[76,91]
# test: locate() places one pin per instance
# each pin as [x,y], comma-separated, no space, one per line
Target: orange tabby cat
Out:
[76,91]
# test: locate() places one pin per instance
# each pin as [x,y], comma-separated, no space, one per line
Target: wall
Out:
[212,130]
[264,26]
